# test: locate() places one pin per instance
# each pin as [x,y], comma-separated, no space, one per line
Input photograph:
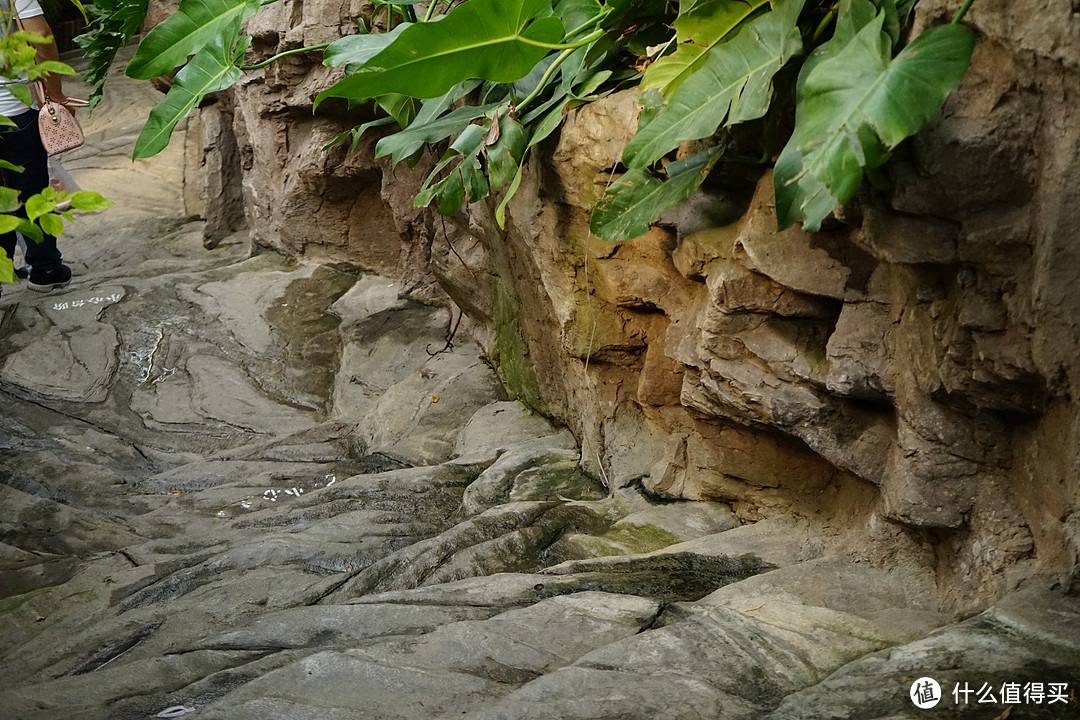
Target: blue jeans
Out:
[22,146]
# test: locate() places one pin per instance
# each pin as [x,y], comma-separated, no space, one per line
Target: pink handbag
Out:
[57,125]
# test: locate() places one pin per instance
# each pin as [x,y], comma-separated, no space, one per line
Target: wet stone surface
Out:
[242,486]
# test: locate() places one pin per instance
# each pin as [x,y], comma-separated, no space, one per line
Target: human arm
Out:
[46,51]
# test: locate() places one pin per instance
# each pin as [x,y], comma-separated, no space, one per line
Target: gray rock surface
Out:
[497,426]
[1028,638]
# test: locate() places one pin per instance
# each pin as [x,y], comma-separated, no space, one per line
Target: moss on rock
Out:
[511,350]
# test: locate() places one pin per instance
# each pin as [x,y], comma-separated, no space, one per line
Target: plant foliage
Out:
[112,25]
[46,211]
[480,82]
[858,104]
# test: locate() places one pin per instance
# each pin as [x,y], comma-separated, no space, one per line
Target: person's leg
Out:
[21,145]
[22,271]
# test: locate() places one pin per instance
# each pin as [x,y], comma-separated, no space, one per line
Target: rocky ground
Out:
[239,486]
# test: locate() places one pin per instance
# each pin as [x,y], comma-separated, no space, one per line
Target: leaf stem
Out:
[962,12]
[596,35]
[590,22]
[543,81]
[823,25]
[430,10]
[281,55]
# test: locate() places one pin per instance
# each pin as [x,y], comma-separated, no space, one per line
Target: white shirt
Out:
[10,106]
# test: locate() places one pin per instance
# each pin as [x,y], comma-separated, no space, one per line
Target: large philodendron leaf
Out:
[633,201]
[194,26]
[808,196]
[734,85]
[486,39]
[698,31]
[358,49]
[857,105]
[212,69]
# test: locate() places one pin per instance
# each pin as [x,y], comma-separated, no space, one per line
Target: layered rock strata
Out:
[909,370]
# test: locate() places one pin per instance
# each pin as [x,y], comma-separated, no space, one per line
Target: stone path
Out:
[244,486]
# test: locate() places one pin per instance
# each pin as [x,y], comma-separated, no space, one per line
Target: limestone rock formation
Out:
[912,364]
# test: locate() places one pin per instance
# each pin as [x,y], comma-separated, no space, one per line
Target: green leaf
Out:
[52,224]
[402,108]
[403,144]
[500,212]
[734,85]
[858,105]
[89,201]
[548,124]
[434,107]
[358,49]
[210,70]
[633,201]
[892,20]
[575,13]
[38,205]
[8,223]
[449,192]
[852,17]
[469,142]
[195,25]
[650,103]
[5,165]
[904,8]
[9,200]
[698,31]
[798,194]
[21,93]
[8,122]
[79,6]
[590,85]
[466,177]
[451,195]
[49,67]
[30,230]
[476,183]
[356,134]
[7,268]
[112,24]
[806,196]
[507,153]
[481,38]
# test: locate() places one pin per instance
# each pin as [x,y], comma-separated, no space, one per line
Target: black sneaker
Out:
[46,280]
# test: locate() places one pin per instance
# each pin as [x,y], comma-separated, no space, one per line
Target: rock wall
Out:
[907,376]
